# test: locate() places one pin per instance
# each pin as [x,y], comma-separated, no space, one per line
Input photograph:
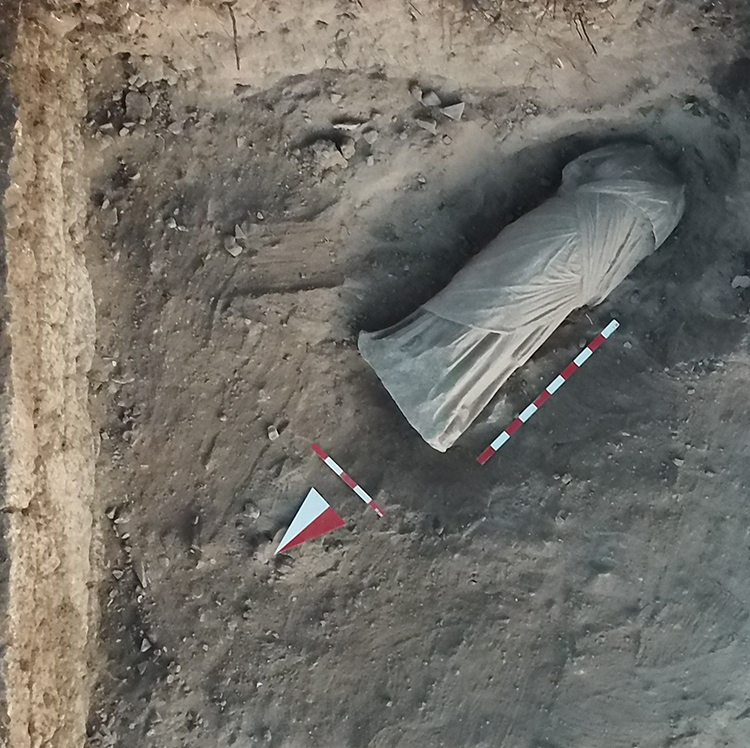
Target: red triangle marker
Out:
[315,517]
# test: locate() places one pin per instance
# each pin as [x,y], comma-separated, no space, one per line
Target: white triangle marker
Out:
[315,517]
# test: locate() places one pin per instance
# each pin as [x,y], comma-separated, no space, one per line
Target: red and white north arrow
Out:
[315,517]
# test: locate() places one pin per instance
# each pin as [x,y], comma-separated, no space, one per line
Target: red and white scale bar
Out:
[550,390]
[347,479]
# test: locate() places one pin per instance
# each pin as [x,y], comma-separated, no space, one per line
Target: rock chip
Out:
[137,106]
[454,111]
[427,124]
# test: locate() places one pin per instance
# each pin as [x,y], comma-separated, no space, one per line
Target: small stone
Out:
[171,223]
[416,92]
[741,281]
[327,155]
[118,573]
[370,136]
[145,645]
[132,23]
[371,161]
[151,69]
[139,569]
[260,216]
[273,433]
[59,24]
[250,510]
[348,150]
[137,106]
[239,234]
[447,139]
[431,99]
[231,246]
[678,461]
[175,128]
[566,479]
[427,124]
[124,131]
[454,111]
[335,98]
[110,218]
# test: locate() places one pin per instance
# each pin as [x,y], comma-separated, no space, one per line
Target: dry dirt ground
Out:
[588,587]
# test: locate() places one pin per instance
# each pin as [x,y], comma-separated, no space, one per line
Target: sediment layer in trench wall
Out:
[47,434]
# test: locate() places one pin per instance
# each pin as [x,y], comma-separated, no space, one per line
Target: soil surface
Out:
[266,180]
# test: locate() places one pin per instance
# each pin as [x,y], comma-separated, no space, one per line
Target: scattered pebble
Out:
[145,645]
[137,106]
[171,223]
[454,111]
[431,99]
[371,161]
[327,155]
[152,69]
[231,246]
[370,136]
[273,433]
[335,98]
[260,216]
[678,461]
[348,150]
[427,124]
[741,281]
[139,568]
[416,92]
[250,510]
[110,218]
[60,25]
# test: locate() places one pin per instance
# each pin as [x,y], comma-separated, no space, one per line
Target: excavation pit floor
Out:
[263,183]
